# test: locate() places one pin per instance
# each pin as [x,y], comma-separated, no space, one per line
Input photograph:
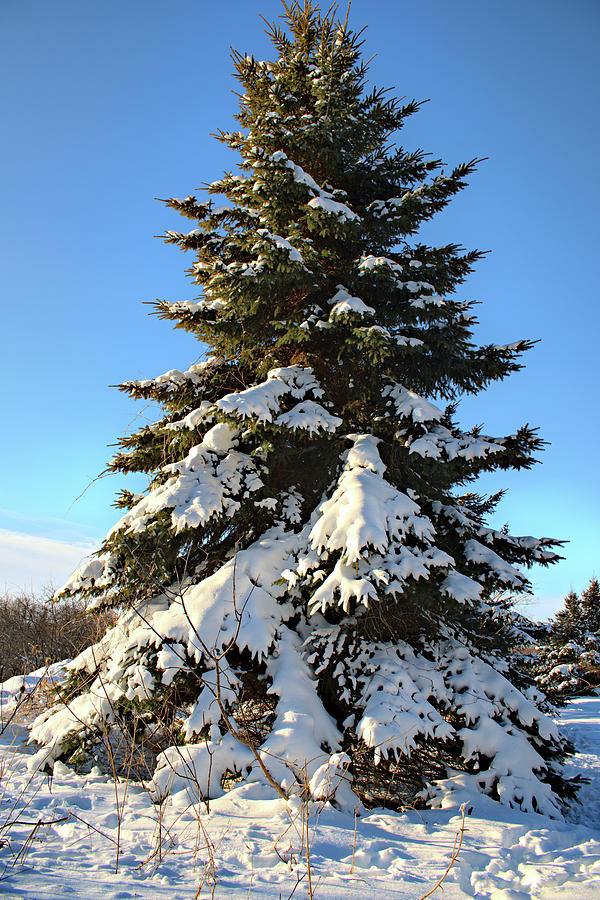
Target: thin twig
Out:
[455,851]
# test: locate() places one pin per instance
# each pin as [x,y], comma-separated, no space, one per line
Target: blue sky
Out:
[107,106]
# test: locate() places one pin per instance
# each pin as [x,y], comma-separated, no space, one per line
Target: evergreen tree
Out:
[579,618]
[590,608]
[306,587]
[570,663]
[566,621]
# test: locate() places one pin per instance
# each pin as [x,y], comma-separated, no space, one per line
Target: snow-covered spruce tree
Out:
[580,616]
[305,586]
[570,662]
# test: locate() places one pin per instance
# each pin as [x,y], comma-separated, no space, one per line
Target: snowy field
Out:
[63,838]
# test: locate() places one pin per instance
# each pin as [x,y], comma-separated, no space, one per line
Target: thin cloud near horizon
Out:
[31,563]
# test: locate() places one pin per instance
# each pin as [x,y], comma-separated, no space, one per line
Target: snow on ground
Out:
[59,838]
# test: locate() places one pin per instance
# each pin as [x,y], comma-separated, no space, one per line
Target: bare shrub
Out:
[36,630]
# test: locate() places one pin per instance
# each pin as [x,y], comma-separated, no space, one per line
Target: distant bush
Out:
[570,669]
[36,630]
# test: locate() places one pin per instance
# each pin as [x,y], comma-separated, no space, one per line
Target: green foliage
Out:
[580,616]
[310,135]
[568,661]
